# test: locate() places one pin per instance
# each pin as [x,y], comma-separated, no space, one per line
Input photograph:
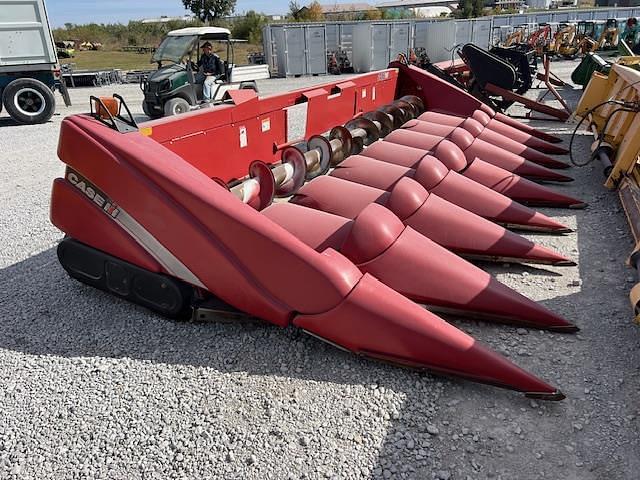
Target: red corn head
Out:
[514,140]
[455,188]
[449,225]
[496,178]
[505,125]
[518,188]
[407,261]
[416,133]
[379,323]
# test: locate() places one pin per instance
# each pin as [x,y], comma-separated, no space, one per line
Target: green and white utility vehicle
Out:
[174,89]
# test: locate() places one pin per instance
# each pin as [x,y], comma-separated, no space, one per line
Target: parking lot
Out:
[94,387]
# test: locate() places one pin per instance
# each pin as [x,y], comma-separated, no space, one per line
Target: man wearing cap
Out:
[630,35]
[210,68]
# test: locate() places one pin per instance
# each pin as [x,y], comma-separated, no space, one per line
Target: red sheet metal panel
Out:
[222,141]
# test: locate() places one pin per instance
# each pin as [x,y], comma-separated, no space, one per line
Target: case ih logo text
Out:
[92,193]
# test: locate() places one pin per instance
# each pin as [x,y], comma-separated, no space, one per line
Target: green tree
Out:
[116,35]
[478,8]
[294,9]
[467,9]
[250,27]
[373,14]
[210,10]
[313,13]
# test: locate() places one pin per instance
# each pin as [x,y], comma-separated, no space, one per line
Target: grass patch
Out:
[107,60]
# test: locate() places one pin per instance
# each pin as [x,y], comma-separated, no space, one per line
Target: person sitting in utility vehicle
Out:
[210,68]
[630,35]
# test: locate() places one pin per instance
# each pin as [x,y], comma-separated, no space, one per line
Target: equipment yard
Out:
[96,387]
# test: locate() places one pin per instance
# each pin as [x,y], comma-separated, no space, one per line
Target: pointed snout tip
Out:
[566,328]
[579,206]
[554,396]
[565,179]
[565,263]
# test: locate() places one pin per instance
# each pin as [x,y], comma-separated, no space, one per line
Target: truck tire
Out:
[176,106]
[150,112]
[29,101]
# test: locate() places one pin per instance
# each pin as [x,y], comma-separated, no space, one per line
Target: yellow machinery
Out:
[588,34]
[543,39]
[611,106]
[586,37]
[608,39]
[565,40]
[517,36]
[599,35]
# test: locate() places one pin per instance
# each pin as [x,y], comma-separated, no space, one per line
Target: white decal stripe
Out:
[158,251]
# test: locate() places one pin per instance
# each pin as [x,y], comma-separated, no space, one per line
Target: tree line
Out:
[217,12]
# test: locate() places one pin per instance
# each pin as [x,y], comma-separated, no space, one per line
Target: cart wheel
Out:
[29,101]
[176,106]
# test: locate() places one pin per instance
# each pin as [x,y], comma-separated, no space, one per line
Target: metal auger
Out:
[266,182]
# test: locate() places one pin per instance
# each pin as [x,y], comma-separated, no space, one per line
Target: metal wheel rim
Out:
[178,109]
[29,101]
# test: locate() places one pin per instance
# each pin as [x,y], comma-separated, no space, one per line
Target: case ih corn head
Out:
[414,176]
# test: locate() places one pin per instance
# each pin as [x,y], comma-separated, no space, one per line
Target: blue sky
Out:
[109,11]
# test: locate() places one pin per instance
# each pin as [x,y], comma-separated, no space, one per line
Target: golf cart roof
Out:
[200,31]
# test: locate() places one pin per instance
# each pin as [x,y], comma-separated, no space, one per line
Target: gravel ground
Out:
[97,388]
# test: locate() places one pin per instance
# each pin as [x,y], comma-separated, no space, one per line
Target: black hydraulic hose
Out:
[632,107]
[624,107]
[629,86]
[606,124]
[453,51]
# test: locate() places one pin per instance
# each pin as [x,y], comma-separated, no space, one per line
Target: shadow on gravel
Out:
[520,268]
[8,122]
[47,313]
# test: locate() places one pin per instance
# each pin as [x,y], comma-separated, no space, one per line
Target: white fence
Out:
[381,41]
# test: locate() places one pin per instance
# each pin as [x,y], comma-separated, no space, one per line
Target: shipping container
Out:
[602,14]
[561,17]
[377,43]
[463,31]
[441,40]
[542,18]
[498,21]
[481,32]
[585,15]
[299,49]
